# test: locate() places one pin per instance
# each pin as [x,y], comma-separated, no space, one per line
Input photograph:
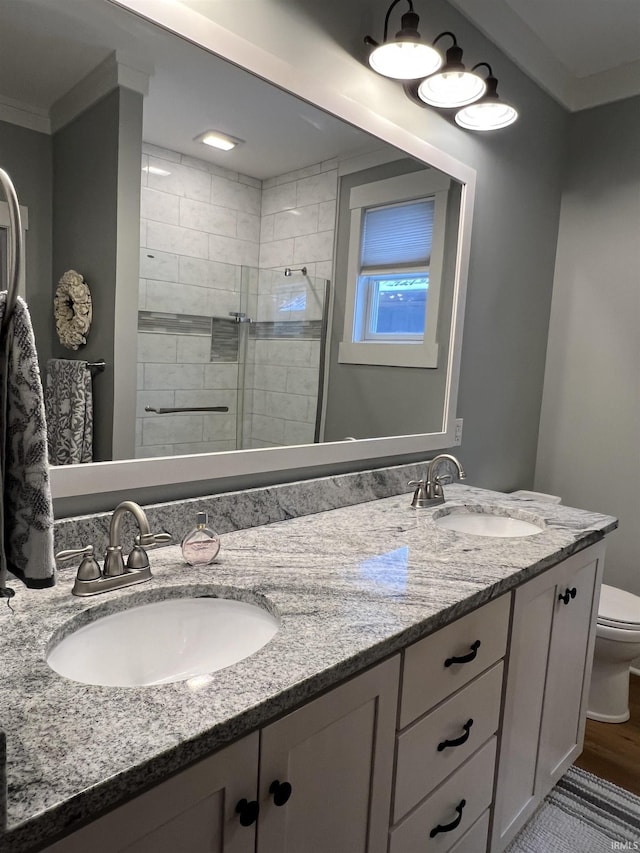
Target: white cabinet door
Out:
[193,812]
[569,670]
[326,770]
[548,671]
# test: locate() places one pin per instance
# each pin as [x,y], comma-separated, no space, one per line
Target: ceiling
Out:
[189,90]
[582,52]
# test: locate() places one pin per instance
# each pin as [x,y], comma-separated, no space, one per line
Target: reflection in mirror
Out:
[198,313]
[219,323]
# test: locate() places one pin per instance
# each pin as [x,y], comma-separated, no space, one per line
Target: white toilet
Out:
[617,644]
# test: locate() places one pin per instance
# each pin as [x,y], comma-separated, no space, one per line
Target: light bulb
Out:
[451,89]
[486,115]
[405,60]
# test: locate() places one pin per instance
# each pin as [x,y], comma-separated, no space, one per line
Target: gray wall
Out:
[87,161]
[370,401]
[589,449]
[26,156]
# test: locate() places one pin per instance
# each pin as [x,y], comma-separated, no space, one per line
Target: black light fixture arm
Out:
[445,33]
[388,15]
[486,65]
[490,80]
[411,21]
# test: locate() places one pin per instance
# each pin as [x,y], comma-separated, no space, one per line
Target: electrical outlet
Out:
[457,436]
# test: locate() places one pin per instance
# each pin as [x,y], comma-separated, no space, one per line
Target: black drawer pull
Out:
[248,811]
[281,792]
[569,594]
[465,658]
[449,827]
[459,740]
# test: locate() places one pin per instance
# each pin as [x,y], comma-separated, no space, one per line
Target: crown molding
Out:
[116,70]
[506,29]
[606,86]
[24,115]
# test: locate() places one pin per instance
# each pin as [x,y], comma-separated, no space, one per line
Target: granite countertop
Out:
[350,585]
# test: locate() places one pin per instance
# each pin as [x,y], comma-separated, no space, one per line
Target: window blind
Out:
[397,235]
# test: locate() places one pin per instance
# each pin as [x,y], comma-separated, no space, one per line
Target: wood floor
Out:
[612,750]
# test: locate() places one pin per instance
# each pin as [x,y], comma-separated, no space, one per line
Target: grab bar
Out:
[163,411]
[15,246]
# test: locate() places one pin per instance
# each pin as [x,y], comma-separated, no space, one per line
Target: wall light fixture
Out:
[451,86]
[428,80]
[489,112]
[406,57]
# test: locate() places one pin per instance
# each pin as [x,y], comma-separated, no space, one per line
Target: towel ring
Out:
[73,310]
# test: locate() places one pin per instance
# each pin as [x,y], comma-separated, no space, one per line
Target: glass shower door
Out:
[284,345]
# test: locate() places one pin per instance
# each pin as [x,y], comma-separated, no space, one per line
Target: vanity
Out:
[425,690]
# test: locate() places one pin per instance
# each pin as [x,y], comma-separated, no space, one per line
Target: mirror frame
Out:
[131,475]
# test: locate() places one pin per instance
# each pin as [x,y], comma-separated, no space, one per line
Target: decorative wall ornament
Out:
[73,310]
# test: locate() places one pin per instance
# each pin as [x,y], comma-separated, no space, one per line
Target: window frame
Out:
[354,348]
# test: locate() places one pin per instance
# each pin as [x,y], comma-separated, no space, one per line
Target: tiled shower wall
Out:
[200,226]
[297,229]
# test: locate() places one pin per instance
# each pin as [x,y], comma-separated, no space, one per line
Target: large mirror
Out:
[222,281]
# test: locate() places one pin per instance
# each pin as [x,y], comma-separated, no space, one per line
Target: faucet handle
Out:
[138,558]
[88,570]
[420,498]
[148,540]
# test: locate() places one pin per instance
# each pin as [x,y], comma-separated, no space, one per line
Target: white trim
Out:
[416,354]
[116,70]
[505,28]
[353,349]
[106,477]
[24,115]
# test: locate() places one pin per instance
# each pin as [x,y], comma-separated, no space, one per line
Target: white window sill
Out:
[392,355]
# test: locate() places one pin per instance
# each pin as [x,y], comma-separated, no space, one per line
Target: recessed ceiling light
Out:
[155,170]
[216,139]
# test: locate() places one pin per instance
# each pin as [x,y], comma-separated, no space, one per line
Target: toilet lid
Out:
[618,607]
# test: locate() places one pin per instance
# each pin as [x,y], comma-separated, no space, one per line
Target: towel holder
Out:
[15,246]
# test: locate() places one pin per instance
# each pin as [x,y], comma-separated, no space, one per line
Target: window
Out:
[396,249]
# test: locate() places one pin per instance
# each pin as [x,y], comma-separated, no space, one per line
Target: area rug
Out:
[582,813]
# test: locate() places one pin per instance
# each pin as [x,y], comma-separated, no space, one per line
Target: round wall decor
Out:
[72,310]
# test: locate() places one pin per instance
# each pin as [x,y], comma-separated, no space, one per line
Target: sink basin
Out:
[500,525]
[170,640]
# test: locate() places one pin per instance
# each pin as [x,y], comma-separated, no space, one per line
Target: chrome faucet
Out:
[91,580]
[429,492]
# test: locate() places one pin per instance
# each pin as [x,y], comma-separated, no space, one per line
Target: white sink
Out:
[170,640]
[486,523]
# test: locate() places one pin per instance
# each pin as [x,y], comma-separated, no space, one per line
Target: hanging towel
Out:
[26,513]
[69,408]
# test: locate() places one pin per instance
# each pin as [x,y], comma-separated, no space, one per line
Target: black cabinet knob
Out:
[568,595]
[281,792]
[248,811]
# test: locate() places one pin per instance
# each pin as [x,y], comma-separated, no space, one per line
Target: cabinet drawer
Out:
[471,784]
[421,765]
[427,680]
